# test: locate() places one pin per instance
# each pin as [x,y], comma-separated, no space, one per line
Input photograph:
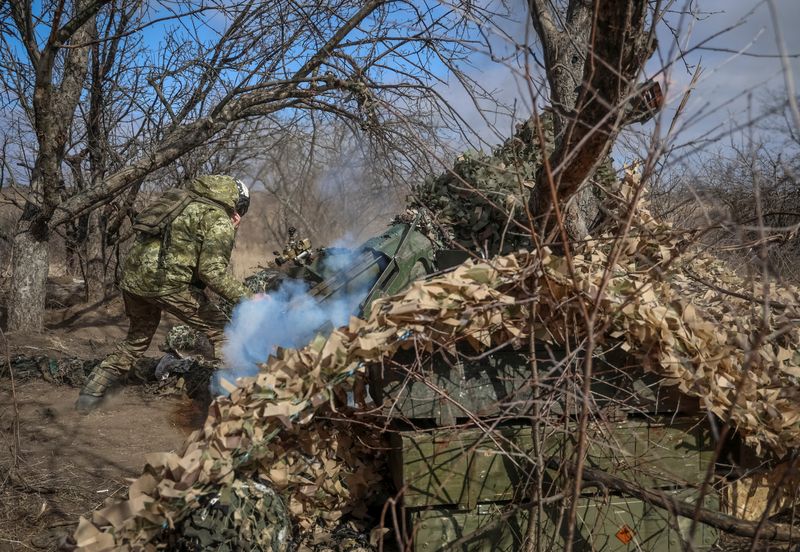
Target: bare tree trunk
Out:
[29,262]
[592,59]
[565,52]
[96,138]
[95,261]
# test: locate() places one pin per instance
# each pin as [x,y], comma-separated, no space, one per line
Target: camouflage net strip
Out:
[479,204]
[701,338]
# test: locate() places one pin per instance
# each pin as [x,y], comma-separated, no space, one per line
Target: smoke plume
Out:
[288,317]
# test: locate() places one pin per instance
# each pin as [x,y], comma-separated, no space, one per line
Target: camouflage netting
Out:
[68,371]
[72,371]
[479,205]
[263,521]
[168,375]
[281,427]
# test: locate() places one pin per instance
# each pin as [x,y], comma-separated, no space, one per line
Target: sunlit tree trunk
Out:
[29,263]
[592,60]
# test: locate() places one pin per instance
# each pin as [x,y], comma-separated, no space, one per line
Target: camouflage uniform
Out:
[168,273]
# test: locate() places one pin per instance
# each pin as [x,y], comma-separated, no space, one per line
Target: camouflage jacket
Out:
[196,249]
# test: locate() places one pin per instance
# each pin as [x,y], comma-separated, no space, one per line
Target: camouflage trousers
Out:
[144,314]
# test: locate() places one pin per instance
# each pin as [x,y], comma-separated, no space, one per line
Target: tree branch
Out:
[85,13]
[23,20]
[618,50]
[764,529]
[185,138]
[316,60]
[544,23]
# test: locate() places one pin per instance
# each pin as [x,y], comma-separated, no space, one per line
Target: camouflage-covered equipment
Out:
[168,375]
[457,482]
[460,488]
[478,200]
[265,280]
[480,203]
[247,516]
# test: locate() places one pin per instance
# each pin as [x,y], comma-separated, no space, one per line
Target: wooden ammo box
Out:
[446,390]
[616,524]
[461,484]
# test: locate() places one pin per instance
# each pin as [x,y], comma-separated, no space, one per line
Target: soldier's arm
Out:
[215,255]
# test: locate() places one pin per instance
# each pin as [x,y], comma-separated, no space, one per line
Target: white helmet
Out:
[243,202]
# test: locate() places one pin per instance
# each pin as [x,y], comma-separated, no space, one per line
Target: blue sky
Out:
[720,99]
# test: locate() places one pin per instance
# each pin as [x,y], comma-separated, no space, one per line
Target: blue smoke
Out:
[288,317]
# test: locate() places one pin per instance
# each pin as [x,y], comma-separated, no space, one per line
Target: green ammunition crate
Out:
[460,467]
[604,525]
[446,389]
[662,452]
[467,467]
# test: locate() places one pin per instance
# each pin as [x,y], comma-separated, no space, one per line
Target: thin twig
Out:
[738,295]
[15,423]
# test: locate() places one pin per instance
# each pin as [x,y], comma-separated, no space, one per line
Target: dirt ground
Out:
[55,464]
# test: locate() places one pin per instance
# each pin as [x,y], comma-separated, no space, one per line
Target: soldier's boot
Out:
[101,380]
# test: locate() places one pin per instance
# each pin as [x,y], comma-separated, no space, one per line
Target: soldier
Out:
[183,244]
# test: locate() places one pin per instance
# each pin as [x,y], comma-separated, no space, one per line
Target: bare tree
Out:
[251,61]
[593,53]
[57,82]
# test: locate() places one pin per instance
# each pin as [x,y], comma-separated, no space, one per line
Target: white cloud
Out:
[741,67]
[720,99]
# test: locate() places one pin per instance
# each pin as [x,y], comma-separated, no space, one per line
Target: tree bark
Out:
[95,259]
[592,64]
[29,263]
